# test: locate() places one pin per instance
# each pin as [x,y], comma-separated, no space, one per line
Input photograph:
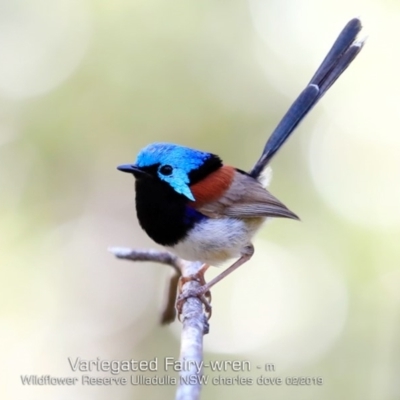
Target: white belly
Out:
[214,241]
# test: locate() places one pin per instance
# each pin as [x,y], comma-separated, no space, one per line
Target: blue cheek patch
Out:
[179,181]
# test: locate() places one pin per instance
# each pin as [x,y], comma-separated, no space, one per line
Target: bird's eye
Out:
[166,170]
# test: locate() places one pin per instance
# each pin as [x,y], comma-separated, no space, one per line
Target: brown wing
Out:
[246,198]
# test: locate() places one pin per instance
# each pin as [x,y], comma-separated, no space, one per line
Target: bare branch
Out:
[195,325]
[194,321]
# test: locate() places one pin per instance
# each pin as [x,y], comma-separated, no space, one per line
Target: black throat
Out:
[163,213]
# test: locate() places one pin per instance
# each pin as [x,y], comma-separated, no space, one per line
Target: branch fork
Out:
[193,318]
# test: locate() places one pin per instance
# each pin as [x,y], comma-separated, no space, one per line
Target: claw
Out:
[202,292]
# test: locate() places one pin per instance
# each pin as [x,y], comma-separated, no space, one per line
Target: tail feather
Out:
[340,56]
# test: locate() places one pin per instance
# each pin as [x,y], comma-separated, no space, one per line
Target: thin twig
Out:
[194,321]
[168,314]
[163,257]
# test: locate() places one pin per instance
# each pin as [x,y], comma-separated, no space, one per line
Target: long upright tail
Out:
[340,56]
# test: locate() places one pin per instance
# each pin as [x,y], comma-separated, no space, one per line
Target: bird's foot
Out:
[202,292]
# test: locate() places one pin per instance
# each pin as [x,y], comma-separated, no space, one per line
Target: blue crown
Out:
[185,158]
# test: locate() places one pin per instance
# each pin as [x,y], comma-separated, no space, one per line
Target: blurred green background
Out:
[85,84]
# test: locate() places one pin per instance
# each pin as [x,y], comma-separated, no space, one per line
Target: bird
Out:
[189,201]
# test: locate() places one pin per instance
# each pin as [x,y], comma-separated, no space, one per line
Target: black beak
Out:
[132,169]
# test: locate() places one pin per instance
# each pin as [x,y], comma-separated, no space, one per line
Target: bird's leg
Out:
[200,292]
[247,253]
